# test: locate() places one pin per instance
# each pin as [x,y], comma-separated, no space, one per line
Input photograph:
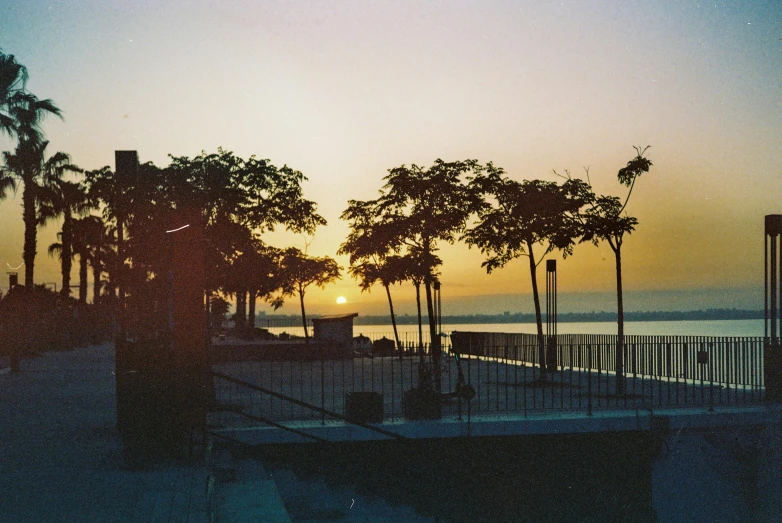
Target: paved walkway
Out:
[61,455]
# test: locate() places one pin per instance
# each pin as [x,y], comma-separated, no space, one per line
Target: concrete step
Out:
[251,501]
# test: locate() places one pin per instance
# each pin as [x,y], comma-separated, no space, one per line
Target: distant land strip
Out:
[568,317]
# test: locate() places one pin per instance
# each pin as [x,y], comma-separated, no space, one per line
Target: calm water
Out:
[648,328]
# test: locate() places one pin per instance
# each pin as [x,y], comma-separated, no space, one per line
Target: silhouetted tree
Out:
[7,181]
[218,308]
[61,197]
[518,217]
[23,120]
[28,165]
[13,77]
[299,271]
[106,192]
[88,240]
[21,114]
[237,194]
[416,266]
[370,246]
[257,275]
[605,221]
[93,236]
[425,206]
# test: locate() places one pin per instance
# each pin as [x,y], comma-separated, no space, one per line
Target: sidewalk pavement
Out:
[61,454]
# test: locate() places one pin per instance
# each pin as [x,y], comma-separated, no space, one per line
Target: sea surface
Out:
[646,328]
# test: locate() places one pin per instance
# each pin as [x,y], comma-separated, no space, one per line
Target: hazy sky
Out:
[345,90]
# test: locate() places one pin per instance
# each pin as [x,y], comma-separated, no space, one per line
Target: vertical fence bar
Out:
[516,376]
[507,381]
[677,363]
[599,354]
[589,379]
[497,377]
[686,356]
[392,362]
[570,381]
[711,378]
[524,390]
[668,368]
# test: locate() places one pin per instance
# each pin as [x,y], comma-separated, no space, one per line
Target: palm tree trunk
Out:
[66,256]
[303,315]
[620,320]
[538,316]
[83,278]
[393,318]
[30,231]
[96,272]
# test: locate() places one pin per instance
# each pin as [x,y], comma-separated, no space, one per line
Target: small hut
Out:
[335,329]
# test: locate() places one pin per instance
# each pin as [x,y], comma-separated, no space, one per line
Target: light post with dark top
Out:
[772,356]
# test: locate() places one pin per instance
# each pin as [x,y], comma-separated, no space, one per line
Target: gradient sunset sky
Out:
[345,90]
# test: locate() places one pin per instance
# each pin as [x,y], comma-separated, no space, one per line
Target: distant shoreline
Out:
[570,317]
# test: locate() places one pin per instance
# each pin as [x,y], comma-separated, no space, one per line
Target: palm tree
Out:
[59,197]
[26,163]
[13,77]
[87,242]
[7,182]
[96,238]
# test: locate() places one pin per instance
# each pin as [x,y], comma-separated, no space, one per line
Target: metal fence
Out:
[504,372]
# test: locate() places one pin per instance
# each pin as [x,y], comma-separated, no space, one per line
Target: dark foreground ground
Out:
[547,478]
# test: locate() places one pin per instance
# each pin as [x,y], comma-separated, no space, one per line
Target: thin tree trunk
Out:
[303,316]
[66,254]
[393,318]
[240,317]
[538,317]
[420,321]
[251,307]
[30,232]
[620,320]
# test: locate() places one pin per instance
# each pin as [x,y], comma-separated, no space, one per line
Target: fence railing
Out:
[505,374]
[728,361]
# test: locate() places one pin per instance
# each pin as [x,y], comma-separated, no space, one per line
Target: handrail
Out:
[308,405]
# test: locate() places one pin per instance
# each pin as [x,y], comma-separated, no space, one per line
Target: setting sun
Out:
[341,300]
